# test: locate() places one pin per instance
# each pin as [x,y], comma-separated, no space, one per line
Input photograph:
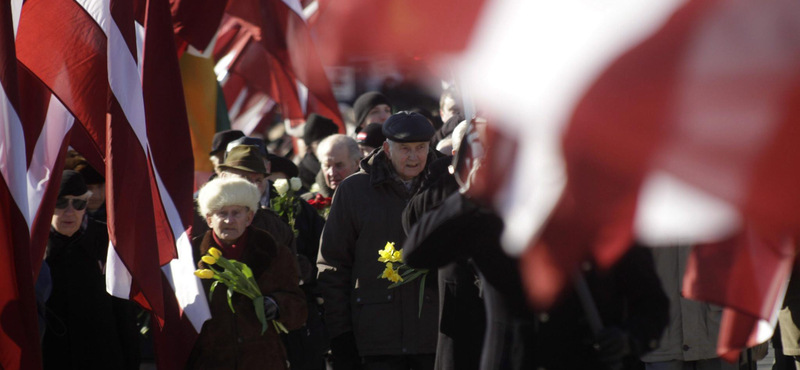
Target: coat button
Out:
[358,299]
[240,340]
[685,347]
[587,266]
[389,297]
[405,350]
[544,317]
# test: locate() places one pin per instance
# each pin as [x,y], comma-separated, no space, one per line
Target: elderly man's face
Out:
[68,214]
[336,165]
[229,222]
[257,179]
[409,159]
[378,114]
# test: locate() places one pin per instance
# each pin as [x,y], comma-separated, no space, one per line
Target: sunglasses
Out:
[77,204]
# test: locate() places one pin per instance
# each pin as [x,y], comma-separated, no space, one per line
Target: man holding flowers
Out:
[234,340]
[371,326]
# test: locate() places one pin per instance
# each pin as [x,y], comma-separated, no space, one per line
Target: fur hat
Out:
[227,191]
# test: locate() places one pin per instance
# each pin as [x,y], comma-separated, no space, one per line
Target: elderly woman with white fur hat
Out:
[233,340]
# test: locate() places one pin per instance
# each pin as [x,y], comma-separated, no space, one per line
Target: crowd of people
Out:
[390,182]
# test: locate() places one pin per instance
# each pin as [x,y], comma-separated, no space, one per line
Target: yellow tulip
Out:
[209,260]
[215,252]
[387,253]
[397,256]
[204,274]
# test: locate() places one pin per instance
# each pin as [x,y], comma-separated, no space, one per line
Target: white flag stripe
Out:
[180,272]
[118,278]
[57,124]
[12,155]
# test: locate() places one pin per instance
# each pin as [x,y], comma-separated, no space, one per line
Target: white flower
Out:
[296,184]
[314,188]
[281,186]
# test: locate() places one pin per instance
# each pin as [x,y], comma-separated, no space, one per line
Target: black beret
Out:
[252,141]
[408,127]
[283,165]
[365,103]
[372,135]
[72,184]
[317,128]
[222,138]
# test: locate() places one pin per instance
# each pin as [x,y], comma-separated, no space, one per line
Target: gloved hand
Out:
[612,345]
[344,353]
[271,310]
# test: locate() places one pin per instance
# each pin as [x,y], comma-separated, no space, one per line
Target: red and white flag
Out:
[19,342]
[280,26]
[121,80]
[665,121]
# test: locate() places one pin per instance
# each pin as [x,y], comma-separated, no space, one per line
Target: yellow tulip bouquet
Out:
[392,258]
[238,277]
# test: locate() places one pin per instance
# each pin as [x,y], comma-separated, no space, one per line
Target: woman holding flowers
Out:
[234,338]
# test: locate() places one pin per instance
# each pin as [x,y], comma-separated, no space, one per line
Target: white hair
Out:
[329,143]
[227,191]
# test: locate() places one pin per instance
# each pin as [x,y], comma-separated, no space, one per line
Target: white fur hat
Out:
[227,191]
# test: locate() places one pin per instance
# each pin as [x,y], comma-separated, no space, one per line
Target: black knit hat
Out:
[365,103]
[245,158]
[221,140]
[283,165]
[408,127]
[72,183]
[317,128]
[372,135]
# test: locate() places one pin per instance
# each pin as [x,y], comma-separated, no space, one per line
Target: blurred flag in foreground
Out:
[665,121]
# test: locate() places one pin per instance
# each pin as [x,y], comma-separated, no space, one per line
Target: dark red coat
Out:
[234,340]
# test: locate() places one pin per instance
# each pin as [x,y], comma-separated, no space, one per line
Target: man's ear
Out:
[386,149]
[250,216]
[208,221]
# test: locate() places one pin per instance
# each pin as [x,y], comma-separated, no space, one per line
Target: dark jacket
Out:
[629,296]
[234,340]
[309,167]
[86,327]
[462,318]
[365,215]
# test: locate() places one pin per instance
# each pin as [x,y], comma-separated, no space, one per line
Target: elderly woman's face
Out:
[229,222]
[68,214]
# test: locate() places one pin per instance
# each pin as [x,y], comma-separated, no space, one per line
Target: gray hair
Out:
[333,141]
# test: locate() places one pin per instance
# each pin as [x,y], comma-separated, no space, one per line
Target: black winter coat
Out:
[365,215]
[86,327]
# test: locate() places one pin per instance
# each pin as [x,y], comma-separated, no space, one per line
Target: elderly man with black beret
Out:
[372,326]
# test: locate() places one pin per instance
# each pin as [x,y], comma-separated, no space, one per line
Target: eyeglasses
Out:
[77,204]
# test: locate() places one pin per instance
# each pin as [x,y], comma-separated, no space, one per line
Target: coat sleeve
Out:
[335,260]
[286,290]
[648,305]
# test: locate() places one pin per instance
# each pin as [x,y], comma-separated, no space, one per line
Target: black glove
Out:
[613,344]
[344,353]
[271,311]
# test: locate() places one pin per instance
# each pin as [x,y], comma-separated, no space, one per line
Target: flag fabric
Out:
[700,93]
[410,28]
[281,28]
[19,342]
[748,274]
[195,22]
[121,80]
